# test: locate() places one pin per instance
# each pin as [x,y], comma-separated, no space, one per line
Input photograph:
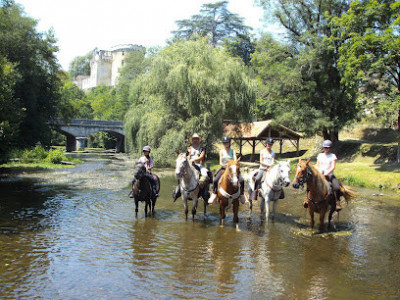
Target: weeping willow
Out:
[191,87]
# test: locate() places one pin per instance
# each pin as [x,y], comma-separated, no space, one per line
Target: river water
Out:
[72,234]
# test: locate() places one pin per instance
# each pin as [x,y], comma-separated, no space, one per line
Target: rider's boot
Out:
[282,195]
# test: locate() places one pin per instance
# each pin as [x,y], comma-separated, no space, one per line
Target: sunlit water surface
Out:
[72,234]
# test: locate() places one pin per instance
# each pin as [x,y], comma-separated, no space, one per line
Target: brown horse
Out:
[319,192]
[229,191]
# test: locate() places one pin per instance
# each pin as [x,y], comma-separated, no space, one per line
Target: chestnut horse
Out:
[319,192]
[229,191]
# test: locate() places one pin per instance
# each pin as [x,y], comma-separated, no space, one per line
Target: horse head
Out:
[233,171]
[302,173]
[182,163]
[284,169]
[139,170]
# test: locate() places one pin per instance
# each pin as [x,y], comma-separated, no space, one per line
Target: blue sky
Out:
[82,25]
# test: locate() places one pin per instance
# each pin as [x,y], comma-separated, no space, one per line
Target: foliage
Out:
[319,101]
[33,95]
[221,26]
[9,116]
[191,87]
[371,55]
[80,65]
[55,156]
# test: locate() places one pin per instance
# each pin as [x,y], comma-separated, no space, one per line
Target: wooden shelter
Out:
[257,132]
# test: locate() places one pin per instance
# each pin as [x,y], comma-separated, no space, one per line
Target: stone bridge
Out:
[77,130]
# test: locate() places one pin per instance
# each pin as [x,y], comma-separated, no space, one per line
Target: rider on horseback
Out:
[326,163]
[197,157]
[147,161]
[267,160]
[226,155]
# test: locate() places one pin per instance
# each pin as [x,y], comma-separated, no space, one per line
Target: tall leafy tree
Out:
[322,102]
[10,117]
[36,89]
[370,57]
[191,87]
[221,26]
[80,65]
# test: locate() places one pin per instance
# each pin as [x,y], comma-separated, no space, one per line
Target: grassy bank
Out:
[366,156]
[38,158]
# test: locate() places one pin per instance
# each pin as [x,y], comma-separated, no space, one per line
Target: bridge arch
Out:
[77,131]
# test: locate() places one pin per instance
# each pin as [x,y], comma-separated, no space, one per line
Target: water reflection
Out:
[73,235]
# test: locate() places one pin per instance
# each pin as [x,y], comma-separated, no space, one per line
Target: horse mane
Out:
[138,167]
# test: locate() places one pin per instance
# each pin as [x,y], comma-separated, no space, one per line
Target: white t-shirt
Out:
[268,158]
[325,162]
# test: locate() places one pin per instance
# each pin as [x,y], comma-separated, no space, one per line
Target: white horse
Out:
[271,187]
[188,183]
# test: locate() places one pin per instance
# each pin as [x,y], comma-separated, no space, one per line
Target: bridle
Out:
[304,178]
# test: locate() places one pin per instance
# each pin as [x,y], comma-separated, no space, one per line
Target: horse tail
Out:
[348,193]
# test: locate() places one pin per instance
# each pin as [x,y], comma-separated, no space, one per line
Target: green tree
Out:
[321,102]
[36,89]
[10,117]
[135,64]
[80,65]
[217,23]
[102,101]
[191,87]
[370,57]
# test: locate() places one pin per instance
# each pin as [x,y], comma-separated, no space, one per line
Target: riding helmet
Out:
[327,144]
[146,148]
[269,141]
[226,139]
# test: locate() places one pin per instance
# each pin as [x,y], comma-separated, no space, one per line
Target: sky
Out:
[82,25]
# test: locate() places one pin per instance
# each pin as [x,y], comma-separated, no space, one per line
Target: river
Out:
[72,234]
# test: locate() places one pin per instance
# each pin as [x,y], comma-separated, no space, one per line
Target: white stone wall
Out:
[105,65]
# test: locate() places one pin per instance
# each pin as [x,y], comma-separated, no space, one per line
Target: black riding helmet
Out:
[226,139]
[269,141]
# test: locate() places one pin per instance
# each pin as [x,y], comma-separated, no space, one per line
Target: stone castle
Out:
[104,66]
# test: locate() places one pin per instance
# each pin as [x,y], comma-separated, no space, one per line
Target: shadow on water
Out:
[73,234]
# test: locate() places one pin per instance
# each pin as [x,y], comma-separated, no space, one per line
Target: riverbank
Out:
[366,156]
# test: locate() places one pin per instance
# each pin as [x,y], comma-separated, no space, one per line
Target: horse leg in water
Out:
[185,205]
[322,219]
[331,211]
[205,207]
[222,208]
[152,204]
[275,203]
[236,211]
[147,202]
[136,207]
[311,211]
[194,208]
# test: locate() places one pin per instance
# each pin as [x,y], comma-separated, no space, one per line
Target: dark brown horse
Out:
[141,189]
[319,196]
[229,191]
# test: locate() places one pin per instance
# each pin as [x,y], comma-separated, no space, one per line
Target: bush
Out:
[55,156]
[35,154]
